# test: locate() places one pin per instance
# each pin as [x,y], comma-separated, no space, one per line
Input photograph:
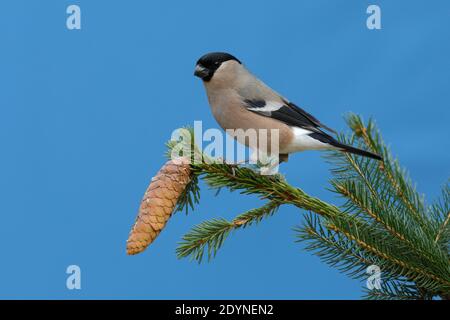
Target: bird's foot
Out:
[234,165]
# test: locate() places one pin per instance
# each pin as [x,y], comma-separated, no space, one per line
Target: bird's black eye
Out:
[216,63]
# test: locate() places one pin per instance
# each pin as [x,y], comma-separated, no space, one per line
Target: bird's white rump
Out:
[302,141]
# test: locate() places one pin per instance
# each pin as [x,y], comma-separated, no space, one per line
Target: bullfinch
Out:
[239,100]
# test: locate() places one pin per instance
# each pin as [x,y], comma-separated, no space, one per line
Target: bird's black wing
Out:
[286,112]
[292,115]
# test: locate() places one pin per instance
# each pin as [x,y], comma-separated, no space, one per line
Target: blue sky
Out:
[84,115]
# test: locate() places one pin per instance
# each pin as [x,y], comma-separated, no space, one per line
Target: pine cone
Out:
[158,203]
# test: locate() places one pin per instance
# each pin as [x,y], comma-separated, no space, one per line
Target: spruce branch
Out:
[210,235]
[383,222]
[333,247]
[395,290]
[441,212]
[393,259]
[370,191]
[274,188]
[338,251]
[397,177]
[443,230]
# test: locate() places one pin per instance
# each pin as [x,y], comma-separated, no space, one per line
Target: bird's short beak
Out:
[201,72]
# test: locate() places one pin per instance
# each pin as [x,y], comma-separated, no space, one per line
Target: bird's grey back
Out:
[252,88]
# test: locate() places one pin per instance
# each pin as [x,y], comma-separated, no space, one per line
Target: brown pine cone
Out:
[158,203]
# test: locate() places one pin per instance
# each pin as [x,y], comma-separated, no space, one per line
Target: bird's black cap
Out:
[212,58]
[210,62]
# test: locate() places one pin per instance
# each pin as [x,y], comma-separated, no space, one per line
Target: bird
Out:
[239,100]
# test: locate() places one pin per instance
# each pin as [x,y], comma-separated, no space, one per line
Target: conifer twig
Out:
[210,235]
[443,227]
[384,221]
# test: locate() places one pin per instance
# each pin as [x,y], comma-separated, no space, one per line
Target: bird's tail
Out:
[350,149]
[325,138]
